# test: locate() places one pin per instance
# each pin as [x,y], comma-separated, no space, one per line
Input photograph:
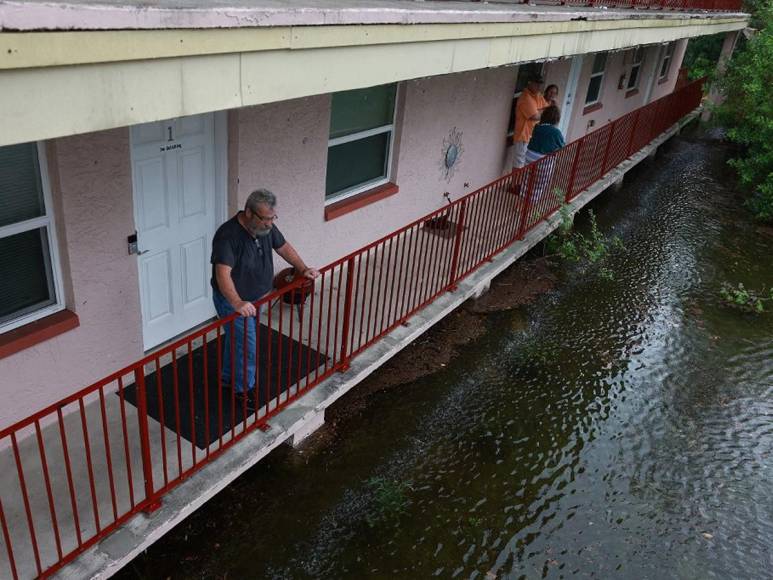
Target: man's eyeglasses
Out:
[263,218]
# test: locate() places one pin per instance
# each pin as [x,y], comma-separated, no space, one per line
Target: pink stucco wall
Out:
[662,88]
[283,147]
[615,102]
[93,200]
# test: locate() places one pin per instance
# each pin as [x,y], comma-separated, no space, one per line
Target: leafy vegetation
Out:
[575,246]
[390,499]
[702,55]
[747,112]
[744,299]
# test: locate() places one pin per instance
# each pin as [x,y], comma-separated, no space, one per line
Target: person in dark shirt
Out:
[243,272]
[545,139]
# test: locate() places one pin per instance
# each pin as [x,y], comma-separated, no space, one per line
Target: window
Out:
[524,72]
[633,77]
[360,145]
[30,284]
[667,57]
[596,78]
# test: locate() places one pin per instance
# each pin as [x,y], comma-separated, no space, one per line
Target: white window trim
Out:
[362,187]
[666,57]
[601,83]
[635,65]
[49,222]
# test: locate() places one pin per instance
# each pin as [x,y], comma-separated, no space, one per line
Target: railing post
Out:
[628,151]
[457,246]
[606,149]
[657,124]
[573,172]
[142,416]
[344,360]
[526,201]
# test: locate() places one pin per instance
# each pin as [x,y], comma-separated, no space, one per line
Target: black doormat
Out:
[293,368]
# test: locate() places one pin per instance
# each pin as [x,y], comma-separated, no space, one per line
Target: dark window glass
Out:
[356,162]
[599,62]
[664,66]
[25,280]
[667,60]
[524,72]
[362,109]
[634,78]
[21,193]
[594,89]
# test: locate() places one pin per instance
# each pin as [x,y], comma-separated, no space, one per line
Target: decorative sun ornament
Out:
[452,153]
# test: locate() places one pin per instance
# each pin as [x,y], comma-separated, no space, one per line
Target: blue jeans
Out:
[225,309]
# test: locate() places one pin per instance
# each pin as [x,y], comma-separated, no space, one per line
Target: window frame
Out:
[635,65]
[598,74]
[373,183]
[668,56]
[51,250]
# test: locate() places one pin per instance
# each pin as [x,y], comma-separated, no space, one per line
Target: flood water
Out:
[615,428]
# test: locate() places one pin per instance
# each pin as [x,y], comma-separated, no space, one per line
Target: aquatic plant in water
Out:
[573,246]
[390,499]
[745,299]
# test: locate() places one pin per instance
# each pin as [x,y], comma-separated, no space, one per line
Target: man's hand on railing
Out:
[310,273]
[246,308]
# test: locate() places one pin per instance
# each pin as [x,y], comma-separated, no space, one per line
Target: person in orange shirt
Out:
[528,110]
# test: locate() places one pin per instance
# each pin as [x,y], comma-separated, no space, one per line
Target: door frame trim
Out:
[221,167]
[220,146]
[570,91]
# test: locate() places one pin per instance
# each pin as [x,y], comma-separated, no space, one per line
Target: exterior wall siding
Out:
[615,102]
[283,147]
[662,88]
[92,193]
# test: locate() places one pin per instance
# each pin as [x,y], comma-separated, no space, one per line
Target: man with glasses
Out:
[243,272]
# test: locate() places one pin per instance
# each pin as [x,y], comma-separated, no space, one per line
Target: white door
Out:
[173,172]
[570,93]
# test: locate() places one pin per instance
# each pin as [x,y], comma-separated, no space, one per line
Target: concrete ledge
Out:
[304,416]
[22,15]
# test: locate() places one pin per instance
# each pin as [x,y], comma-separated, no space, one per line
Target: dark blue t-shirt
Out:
[251,259]
[546,139]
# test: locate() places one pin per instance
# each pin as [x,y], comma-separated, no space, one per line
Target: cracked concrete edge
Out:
[115,551]
[21,15]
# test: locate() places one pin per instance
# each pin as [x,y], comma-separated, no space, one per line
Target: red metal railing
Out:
[141,431]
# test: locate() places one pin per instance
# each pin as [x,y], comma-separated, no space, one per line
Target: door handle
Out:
[133,245]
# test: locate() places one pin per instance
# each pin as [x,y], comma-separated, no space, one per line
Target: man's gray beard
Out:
[260,233]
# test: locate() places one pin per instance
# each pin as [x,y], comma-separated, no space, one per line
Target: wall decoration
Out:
[451,153]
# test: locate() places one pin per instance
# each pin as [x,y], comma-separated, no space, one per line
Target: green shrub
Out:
[747,113]
[577,247]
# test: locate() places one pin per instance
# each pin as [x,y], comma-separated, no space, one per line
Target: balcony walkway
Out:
[164,435]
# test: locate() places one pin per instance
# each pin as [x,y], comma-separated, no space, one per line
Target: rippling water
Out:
[626,431]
